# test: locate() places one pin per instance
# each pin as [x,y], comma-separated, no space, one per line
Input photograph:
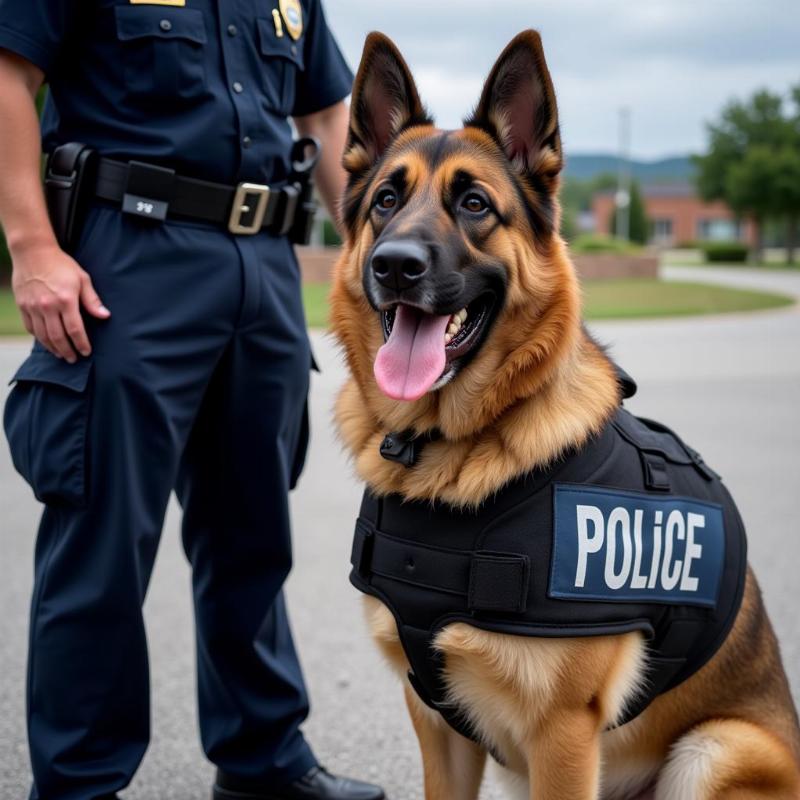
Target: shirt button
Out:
[238,88]
[294,49]
[246,142]
[165,25]
[232,30]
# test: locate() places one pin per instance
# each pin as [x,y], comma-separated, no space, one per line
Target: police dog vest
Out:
[633,532]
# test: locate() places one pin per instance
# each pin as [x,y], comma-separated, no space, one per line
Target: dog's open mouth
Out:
[421,348]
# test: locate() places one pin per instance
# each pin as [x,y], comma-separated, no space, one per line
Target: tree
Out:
[639,227]
[768,180]
[569,223]
[752,162]
[789,182]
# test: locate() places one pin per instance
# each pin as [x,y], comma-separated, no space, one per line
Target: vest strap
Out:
[490,581]
[654,440]
[656,476]
[361,554]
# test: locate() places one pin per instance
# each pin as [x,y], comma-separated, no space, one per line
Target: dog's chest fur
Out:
[511,685]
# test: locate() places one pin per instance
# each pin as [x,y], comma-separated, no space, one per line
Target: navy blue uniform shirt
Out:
[204,87]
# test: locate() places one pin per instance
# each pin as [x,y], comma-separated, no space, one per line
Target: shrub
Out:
[595,243]
[725,252]
[569,224]
[330,236]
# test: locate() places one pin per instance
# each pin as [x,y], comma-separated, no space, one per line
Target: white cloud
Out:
[675,63]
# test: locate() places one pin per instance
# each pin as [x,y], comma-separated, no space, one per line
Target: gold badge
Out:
[292,13]
[158,2]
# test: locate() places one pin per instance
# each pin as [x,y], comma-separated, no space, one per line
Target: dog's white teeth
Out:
[455,324]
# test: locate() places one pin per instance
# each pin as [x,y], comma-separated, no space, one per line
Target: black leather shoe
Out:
[316,784]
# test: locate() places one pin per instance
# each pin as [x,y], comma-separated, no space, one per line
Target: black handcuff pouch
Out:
[68,187]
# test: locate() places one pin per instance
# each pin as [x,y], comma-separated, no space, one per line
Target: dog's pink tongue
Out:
[413,359]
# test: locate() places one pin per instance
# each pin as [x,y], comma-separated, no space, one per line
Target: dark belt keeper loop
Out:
[149,180]
[290,194]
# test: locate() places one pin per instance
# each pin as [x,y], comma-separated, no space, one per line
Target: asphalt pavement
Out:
[730,385]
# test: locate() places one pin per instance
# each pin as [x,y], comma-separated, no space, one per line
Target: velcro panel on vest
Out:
[490,581]
[498,582]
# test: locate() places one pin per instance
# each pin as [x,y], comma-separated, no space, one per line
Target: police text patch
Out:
[611,544]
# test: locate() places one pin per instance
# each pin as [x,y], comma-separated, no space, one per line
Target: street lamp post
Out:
[623,195]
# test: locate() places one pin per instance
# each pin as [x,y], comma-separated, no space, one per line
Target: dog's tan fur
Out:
[538,386]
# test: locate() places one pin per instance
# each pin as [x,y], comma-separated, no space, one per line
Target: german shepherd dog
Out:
[453,247]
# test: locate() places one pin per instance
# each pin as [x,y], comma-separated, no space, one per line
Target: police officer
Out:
[171,353]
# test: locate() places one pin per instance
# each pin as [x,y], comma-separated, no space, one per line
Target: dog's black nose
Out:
[400,264]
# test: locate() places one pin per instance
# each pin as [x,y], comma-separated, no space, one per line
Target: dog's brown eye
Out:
[474,203]
[386,200]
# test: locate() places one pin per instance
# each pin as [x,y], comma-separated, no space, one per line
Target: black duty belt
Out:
[155,192]
[75,174]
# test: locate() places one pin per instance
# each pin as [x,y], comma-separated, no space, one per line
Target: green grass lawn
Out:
[10,322]
[604,299]
[645,297]
[624,299]
[315,298]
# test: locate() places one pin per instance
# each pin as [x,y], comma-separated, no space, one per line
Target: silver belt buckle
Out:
[241,206]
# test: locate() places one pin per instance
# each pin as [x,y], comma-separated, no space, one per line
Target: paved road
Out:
[730,385]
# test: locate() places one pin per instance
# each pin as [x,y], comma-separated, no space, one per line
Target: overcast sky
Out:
[673,62]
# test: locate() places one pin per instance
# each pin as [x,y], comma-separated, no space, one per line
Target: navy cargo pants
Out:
[197,383]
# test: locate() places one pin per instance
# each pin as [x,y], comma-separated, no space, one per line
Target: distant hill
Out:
[584,167]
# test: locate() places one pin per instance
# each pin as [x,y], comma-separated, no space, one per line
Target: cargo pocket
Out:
[164,51]
[46,419]
[283,57]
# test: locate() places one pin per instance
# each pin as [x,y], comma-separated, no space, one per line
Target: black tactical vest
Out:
[633,532]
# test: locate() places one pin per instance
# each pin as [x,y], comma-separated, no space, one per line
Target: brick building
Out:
[677,215]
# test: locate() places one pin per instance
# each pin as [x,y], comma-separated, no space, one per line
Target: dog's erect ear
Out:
[518,107]
[385,100]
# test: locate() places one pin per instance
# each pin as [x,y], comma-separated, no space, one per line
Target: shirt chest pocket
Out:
[163,51]
[283,59]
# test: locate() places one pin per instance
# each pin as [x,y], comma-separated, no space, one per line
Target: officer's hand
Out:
[50,287]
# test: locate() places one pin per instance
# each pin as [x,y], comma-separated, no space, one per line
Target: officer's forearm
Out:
[23,213]
[330,127]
